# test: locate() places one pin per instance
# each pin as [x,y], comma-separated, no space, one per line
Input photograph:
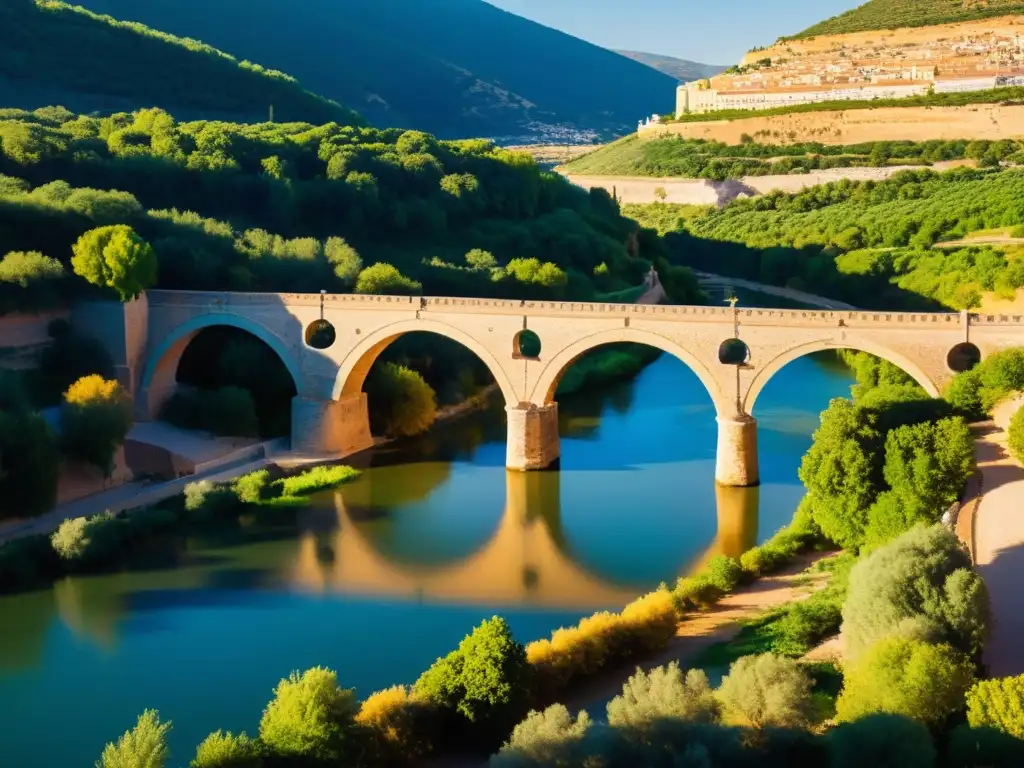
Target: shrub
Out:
[397,725]
[223,750]
[28,480]
[778,552]
[998,704]
[115,257]
[95,420]
[767,691]
[320,478]
[724,572]
[921,583]
[664,692]
[144,746]
[911,678]
[983,748]
[881,741]
[386,279]
[401,401]
[645,625]
[543,738]
[696,592]
[66,360]
[26,561]
[251,488]
[1015,435]
[204,500]
[485,680]
[804,625]
[84,542]
[29,282]
[310,717]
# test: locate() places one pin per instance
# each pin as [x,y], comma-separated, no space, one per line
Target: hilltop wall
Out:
[854,126]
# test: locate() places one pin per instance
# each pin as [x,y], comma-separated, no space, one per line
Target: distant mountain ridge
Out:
[895,14]
[455,68]
[682,70]
[55,53]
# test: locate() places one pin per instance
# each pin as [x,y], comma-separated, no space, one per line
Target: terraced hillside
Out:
[52,52]
[893,14]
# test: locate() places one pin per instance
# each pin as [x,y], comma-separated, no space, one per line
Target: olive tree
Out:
[115,257]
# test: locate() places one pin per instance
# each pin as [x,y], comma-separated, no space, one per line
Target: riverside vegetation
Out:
[179,204]
[912,611]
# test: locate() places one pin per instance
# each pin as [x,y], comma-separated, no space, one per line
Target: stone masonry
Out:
[330,414]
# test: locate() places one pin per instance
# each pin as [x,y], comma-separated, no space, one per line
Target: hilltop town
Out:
[887,64]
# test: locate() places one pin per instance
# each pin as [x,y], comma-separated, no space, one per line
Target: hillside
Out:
[682,70]
[51,52]
[894,14]
[455,68]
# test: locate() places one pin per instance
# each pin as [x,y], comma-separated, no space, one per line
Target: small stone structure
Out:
[330,410]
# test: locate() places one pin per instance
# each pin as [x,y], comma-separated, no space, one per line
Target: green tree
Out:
[95,420]
[386,279]
[839,473]
[310,718]
[345,259]
[920,585]
[881,741]
[29,464]
[115,257]
[1015,435]
[664,692]
[144,746]
[481,260]
[402,404]
[543,738]
[767,691]
[998,704]
[486,679]
[904,677]
[224,750]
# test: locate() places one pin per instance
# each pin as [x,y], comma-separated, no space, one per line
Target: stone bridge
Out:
[329,414]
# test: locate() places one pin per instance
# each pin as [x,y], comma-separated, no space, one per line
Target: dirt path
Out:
[985,240]
[998,527]
[718,625]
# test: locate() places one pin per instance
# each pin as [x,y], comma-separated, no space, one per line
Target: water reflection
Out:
[526,561]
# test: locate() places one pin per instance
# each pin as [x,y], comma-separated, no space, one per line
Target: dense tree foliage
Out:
[298,207]
[892,14]
[402,404]
[225,750]
[29,462]
[664,692]
[882,741]
[100,63]
[310,718]
[703,159]
[920,586]
[30,282]
[977,391]
[898,676]
[998,704]
[144,746]
[95,420]
[115,257]
[868,243]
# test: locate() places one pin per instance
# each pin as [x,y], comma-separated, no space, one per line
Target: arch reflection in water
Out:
[525,562]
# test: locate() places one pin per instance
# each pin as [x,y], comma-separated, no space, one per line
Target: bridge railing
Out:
[686,313]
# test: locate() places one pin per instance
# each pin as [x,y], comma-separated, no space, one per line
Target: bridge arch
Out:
[780,361]
[547,384]
[159,376]
[356,365]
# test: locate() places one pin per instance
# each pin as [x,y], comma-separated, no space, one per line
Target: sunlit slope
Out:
[51,52]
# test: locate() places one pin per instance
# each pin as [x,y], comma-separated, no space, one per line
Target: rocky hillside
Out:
[893,14]
[455,68]
[682,70]
[54,53]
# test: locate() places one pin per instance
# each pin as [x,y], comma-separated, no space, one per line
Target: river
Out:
[379,579]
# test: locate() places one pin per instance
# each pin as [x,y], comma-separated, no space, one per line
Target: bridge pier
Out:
[736,462]
[339,427]
[532,437]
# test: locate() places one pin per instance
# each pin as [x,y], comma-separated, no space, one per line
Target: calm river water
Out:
[379,579]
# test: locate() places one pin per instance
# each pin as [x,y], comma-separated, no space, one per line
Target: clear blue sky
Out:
[711,32]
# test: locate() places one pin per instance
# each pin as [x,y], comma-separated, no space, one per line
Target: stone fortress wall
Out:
[886,64]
